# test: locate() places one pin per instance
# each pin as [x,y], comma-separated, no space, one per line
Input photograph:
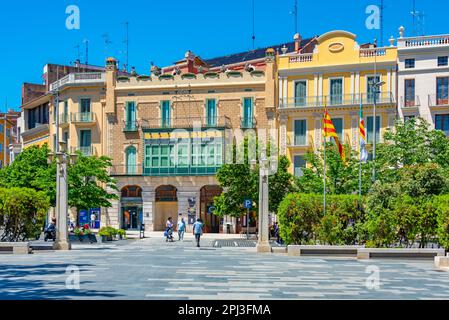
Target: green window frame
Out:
[211,112]
[248,113]
[130,115]
[165,114]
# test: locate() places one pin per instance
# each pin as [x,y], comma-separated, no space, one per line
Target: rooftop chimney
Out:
[298,40]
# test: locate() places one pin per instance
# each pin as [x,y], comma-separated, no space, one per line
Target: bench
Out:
[15,247]
[368,253]
[299,250]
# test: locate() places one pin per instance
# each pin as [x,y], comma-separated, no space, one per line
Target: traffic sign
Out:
[248,203]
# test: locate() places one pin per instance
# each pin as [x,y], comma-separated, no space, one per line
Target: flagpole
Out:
[360,154]
[325,162]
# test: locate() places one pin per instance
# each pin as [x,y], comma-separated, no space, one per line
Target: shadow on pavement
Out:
[18,282]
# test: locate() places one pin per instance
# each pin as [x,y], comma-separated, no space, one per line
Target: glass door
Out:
[336,92]
[300,93]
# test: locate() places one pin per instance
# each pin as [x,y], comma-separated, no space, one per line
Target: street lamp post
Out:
[263,244]
[376,90]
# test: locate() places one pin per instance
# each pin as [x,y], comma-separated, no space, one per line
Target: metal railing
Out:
[248,123]
[64,118]
[424,41]
[87,151]
[186,122]
[83,117]
[410,102]
[131,126]
[437,100]
[79,78]
[337,100]
[126,170]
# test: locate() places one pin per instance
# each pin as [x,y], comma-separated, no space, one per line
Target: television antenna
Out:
[254,25]
[107,42]
[86,43]
[126,42]
[418,21]
[295,15]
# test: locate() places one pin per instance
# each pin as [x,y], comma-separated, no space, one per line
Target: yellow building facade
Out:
[337,74]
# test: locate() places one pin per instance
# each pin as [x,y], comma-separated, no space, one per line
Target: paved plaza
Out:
[154,269]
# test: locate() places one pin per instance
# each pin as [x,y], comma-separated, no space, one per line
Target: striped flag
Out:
[363,151]
[330,132]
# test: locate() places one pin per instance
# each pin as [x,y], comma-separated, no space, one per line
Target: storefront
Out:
[131,208]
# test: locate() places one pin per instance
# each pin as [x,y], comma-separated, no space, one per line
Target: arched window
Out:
[131,165]
[132,192]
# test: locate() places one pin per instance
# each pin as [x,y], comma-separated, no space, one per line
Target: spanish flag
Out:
[330,132]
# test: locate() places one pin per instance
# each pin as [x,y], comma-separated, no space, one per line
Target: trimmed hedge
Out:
[302,220]
[385,219]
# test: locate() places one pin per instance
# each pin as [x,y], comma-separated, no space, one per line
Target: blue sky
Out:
[34,33]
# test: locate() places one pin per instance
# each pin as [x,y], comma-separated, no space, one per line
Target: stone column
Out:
[61,242]
[283,135]
[263,244]
[149,204]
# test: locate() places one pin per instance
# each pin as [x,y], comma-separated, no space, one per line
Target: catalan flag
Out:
[363,151]
[330,132]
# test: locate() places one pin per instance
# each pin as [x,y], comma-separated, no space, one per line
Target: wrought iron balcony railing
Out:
[438,100]
[186,122]
[337,100]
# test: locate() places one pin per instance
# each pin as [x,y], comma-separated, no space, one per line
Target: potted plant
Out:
[105,234]
[79,233]
[121,233]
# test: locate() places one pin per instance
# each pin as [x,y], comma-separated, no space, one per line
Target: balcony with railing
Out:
[131,126]
[64,119]
[79,79]
[87,151]
[423,42]
[248,123]
[186,122]
[410,102]
[83,118]
[126,170]
[337,100]
[439,100]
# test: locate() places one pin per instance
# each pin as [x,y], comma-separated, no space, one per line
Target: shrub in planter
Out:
[121,233]
[106,233]
[302,219]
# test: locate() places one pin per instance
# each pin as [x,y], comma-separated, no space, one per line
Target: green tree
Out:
[31,170]
[90,185]
[341,178]
[240,181]
[22,213]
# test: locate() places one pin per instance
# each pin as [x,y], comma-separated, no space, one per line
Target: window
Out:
[1,147]
[300,127]
[86,142]
[85,106]
[131,160]
[66,137]
[165,114]
[407,118]
[442,61]
[336,91]
[1,128]
[130,120]
[370,131]
[409,94]
[300,93]
[442,91]
[371,90]
[442,123]
[248,113]
[299,165]
[211,112]
[338,124]
[409,63]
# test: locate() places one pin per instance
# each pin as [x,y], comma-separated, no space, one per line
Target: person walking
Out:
[276,233]
[198,231]
[181,229]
